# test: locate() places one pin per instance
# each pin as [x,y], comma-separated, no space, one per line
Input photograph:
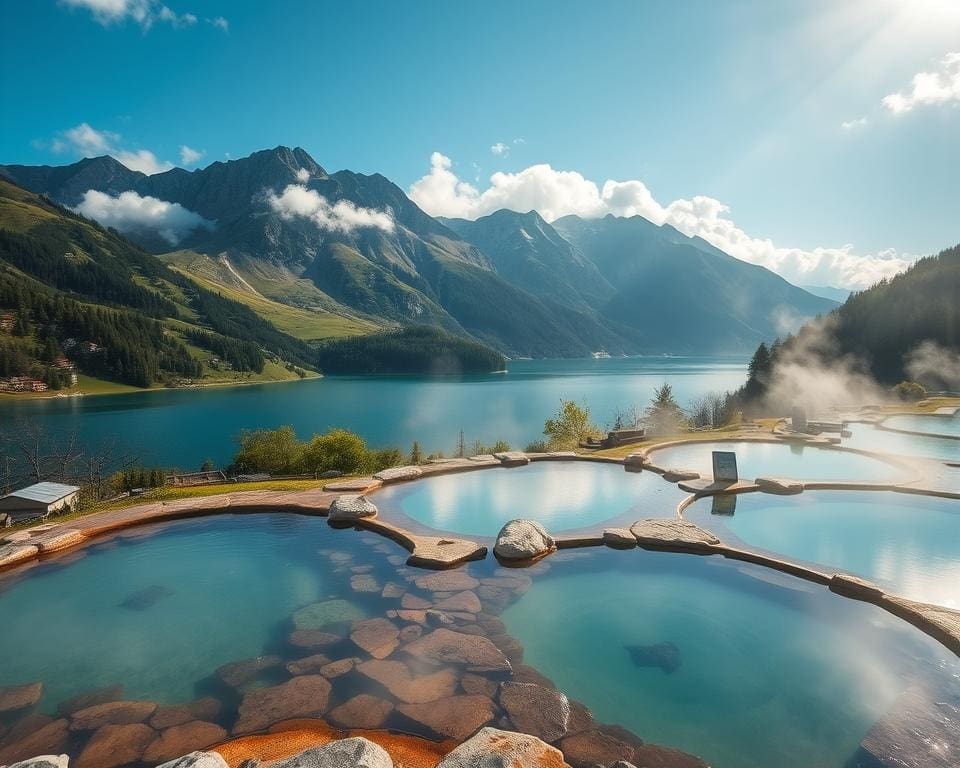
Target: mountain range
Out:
[277,228]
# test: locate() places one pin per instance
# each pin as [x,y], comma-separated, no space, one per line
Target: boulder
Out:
[180,739]
[455,717]
[351,507]
[44,761]
[319,615]
[595,748]
[679,475]
[779,486]
[50,739]
[17,697]
[356,752]
[112,713]
[116,745]
[15,552]
[493,748]
[523,540]
[378,637]
[619,538]
[446,581]
[24,726]
[398,474]
[672,533]
[362,711]
[477,684]
[305,696]
[855,587]
[59,538]
[407,687]
[206,709]
[309,665]
[236,674]
[197,760]
[512,458]
[536,710]
[473,652]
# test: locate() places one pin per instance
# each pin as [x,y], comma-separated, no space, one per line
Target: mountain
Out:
[838,295]
[277,227]
[686,290]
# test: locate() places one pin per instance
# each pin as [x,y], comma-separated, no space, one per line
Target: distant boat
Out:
[601,355]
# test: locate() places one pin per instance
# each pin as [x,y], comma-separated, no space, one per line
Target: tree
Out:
[664,415]
[338,450]
[569,427]
[909,391]
[207,465]
[758,373]
[416,453]
[461,446]
[275,451]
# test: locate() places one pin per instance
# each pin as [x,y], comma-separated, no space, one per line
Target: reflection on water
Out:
[869,438]
[559,495]
[793,461]
[763,676]
[941,425]
[907,543]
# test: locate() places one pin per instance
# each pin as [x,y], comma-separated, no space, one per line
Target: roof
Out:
[46,493]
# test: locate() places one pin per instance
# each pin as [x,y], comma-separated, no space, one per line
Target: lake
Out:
[183,427]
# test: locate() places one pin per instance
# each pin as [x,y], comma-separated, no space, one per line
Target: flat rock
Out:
[855,587]
[236,674]
[619,538]
[672,532]
[398,474]
[523,540]
[305,696]
[205,709]
[466,601]
[317,615]
[181,739]
[473,652]
[512,458]
[50,739]
[362,711]
[357,485]
[410,633]
[116,745]
[414,602]
[112,713]
[415,617]
[197,760]
[44,761]
[309,665]
[378,637]
[393,591]
[446,581]
[338,668]
[678,475]
[402,684]
[351,507]
[921,730]
[90,698]
[493,748]
[313,639]
[364,582]
[444,551]
[536,710]
[456,717]
[59,538]
[16,697]
[11,554]
[355,752]
[779,486]
[594,748]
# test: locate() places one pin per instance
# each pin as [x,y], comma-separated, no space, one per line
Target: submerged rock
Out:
[351,507]
[536,710]
[207,709]
[183,738]
[493,748]
[362,711]
[90,698]
[17,697]
[379,637]
[313,639]
[473,652]
[523,540]
[309,665]
[345,753]
[112,713]
[50,739]
[446,581]
[146,597]
[305,696]
[317,615]
[595,748]
[116,745]
[236,674]
[404,685]
[456,717]
[666,656]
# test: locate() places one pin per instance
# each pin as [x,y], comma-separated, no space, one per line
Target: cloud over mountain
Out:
[296,201]
[86,141]
[131,212]
[555,193]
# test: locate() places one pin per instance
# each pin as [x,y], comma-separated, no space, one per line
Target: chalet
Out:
[7,321]
[39,501]
[22,384]
[62,363]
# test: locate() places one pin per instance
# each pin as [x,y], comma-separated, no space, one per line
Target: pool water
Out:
[765,675]
[559,495]
[869,438]
[908,544]
[786,460]
[933,424]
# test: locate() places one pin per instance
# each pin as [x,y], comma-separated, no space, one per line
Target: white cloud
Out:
[296,201]
[941,86]
[220,23]
[558,193]
[190,156]
[142,160]
[86,141]
[129,212]
[851,125]
[143,12]
[303,175]
[500,148]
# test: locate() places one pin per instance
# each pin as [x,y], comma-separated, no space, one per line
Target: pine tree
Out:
[416,453]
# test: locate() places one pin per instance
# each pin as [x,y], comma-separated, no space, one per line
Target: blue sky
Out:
[774,110]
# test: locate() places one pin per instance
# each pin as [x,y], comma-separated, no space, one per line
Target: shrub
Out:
[338,450]
[570,426]
[275,451]
[909,391]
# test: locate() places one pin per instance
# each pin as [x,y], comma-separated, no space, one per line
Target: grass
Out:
[734,430]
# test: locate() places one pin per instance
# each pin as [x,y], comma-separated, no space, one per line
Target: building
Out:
[39,501]
[7,321]
[22,384]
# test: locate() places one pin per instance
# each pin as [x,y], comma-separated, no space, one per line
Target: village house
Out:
[38,501]
[22,384]
[8,321]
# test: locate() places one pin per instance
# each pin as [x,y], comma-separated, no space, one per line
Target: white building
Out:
[39,501]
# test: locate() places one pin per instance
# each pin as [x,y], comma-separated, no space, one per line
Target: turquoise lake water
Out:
[909,544]
[385,410]
[788,676]
[796,462]
[941,425]
[559,495]
[869,438]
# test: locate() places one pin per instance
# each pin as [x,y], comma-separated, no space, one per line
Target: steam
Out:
[934,366]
